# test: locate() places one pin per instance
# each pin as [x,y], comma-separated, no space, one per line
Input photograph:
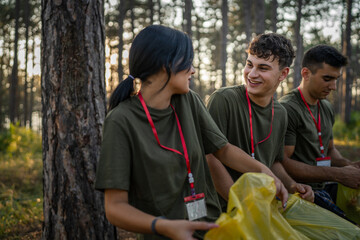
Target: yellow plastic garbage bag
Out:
[253,213]
[348,199]
[316,222]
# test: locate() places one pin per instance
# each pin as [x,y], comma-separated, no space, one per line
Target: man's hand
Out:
[305,191]
[355,164]
[349,176]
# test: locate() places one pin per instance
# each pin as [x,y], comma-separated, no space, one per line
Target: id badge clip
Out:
[195,206]
[323,161]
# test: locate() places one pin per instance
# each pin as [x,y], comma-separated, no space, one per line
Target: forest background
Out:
[220,31]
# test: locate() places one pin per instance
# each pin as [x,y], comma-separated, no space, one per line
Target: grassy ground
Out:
[21,184]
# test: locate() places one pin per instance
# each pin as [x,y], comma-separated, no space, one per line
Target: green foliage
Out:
[348,132]
[20,183]
[17,141]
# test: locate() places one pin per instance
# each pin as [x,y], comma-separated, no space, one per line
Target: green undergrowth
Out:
[20,183]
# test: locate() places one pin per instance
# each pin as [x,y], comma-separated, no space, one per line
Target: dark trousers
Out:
[326,198]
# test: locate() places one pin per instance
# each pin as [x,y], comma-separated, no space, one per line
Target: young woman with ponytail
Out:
[152,165]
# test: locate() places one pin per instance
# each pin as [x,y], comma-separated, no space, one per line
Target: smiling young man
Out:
[251,118]
[310,153]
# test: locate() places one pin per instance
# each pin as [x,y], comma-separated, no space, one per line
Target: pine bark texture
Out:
[224,33]
[299,45]
[14,84]
[187,17]
[347,74]
[121,18]
[259,16]
[74,108]
[247,19]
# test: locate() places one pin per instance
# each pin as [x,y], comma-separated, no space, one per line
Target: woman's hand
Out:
[281,191]
[181,229]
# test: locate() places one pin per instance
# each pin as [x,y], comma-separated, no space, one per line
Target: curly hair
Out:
[316,56]
[272,45]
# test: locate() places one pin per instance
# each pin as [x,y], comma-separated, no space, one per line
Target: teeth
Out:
[254,82]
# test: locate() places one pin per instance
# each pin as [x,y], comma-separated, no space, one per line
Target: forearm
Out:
[221,178]
[337,160]
[121,214]
[303,172]
[279,171]
[125,216]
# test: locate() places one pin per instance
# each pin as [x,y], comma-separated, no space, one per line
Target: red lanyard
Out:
[317,124]
[190,176]
[251,125]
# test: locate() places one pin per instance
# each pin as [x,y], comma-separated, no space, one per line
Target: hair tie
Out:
[130,76]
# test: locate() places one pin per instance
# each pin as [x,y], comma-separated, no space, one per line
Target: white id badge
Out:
[323,161]
[195,206]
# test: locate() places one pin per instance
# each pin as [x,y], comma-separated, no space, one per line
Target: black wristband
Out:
[153,229]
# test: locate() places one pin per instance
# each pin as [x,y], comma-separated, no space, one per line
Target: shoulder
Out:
[327,106]
[280,109]
[227,93]
[325,103]
[121,112]
[290,100]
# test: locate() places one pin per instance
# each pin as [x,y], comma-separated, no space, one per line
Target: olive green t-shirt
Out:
[302,132]
[156,178]
[229,108]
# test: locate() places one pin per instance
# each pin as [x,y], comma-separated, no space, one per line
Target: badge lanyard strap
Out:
[185,155]
[251,125]
[317,124]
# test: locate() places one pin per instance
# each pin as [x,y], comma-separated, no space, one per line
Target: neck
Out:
[155,99]
[308,98]
[262,101]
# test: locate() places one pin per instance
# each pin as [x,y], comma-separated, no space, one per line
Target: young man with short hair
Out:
[310,153]
[251,118]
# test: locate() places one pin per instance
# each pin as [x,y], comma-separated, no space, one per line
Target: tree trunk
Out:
[247,19]
[132,17]
[14,95]
[187,17]
[187,23]
[224,33]
[151,10]
[159,11]
[339,83]
[2,111]
[198,52]
[260,16]
[356,79]
[274,14]
[26,16]
[299,45]
[74,108]
[346,108]
[122,11]
[31,106]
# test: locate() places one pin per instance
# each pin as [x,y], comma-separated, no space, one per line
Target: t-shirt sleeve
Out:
[218,109]
[114,166]
[280,155]
[290,136]
[332,113]
[213,139]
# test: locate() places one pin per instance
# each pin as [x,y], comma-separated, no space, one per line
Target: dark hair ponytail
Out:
[155,47]
[122,92]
